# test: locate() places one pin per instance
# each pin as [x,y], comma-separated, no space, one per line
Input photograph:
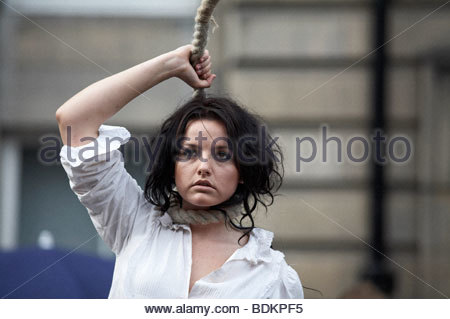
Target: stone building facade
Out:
[299,64]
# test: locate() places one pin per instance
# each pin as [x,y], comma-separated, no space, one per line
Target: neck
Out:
[217,232]
[210,227]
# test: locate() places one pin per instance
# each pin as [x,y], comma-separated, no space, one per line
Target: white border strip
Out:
[327,308]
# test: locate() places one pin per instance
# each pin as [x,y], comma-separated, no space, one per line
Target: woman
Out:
[187,235]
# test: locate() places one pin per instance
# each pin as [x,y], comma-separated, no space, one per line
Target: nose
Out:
[204,172]
[204,168]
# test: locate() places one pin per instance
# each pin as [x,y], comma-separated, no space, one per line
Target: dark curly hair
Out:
[259,161]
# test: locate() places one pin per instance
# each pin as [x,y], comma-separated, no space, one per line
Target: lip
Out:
[203,184]
[203,187]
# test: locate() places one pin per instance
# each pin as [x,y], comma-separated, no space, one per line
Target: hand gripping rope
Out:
[202,20]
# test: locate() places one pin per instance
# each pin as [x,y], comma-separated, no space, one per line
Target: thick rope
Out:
[204,13]
[181,216]
[191,216]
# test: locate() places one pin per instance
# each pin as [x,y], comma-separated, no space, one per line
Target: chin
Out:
[200,203]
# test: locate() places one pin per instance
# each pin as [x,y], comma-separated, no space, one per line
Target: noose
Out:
[202,20]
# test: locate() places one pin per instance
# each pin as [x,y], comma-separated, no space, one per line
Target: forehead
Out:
[208,128]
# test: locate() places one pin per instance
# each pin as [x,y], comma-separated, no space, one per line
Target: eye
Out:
[186,154]
[222,155]
[182,154]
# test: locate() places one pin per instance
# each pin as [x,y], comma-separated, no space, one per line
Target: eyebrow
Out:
[221,147]
[195,145]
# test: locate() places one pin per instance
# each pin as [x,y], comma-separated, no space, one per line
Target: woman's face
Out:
[205,157]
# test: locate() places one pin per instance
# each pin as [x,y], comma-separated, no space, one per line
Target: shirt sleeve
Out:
[99,179]
[289,285]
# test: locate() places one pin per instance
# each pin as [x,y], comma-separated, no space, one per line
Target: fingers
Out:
[203,71]
[204,61]
[206,75]
[211,79]
[203,68]
[206,83]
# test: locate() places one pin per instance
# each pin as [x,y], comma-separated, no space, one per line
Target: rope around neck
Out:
[204,14]
[192,216]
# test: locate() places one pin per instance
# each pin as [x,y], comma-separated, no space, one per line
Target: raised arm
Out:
[91,107]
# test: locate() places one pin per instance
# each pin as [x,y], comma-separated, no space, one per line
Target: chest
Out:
[161,264]
[208,256]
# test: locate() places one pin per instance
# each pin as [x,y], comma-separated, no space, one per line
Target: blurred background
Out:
[299,64]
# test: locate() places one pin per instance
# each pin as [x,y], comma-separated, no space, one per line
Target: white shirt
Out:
[154,255]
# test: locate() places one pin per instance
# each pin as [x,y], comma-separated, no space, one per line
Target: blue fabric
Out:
[74,276]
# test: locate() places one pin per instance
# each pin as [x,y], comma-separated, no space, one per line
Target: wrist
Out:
[173,63]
